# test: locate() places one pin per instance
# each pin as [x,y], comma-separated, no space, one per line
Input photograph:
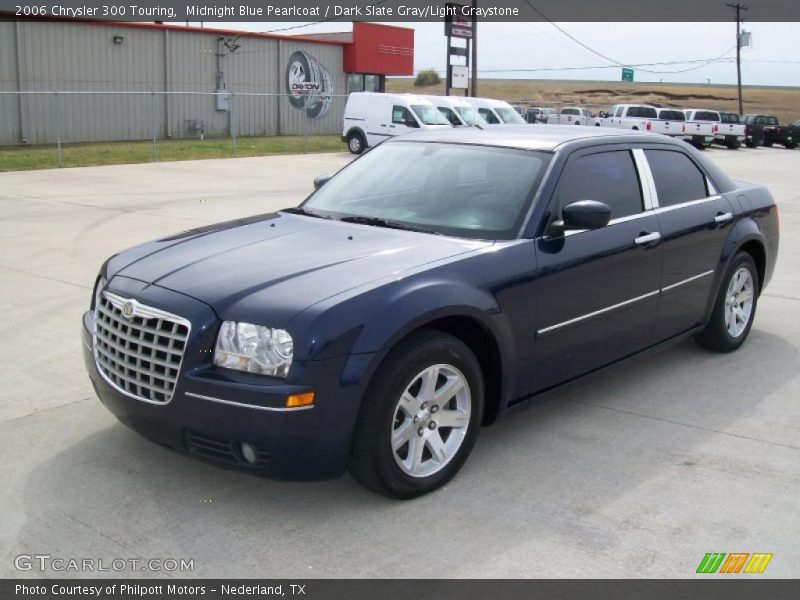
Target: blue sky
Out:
[774,58]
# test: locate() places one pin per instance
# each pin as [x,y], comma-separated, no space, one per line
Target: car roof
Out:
[532,137]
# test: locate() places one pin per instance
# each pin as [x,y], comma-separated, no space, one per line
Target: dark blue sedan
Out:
[431,285]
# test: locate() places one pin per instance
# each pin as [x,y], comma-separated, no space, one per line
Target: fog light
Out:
[248,453]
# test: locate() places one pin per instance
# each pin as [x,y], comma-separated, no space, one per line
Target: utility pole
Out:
[739,7]
[474,43]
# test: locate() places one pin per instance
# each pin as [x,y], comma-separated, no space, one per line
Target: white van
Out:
[496,112]
[457,110]
[371,117]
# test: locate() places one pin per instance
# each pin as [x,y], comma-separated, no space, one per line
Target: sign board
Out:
[627,74]
[460,77]
[455,23]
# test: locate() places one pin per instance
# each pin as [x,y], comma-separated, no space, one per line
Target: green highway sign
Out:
[627,74]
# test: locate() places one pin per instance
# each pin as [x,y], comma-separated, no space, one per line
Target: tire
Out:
[751,144]
[791,146]
[356,142]
[768,144]
[396,397]
[733,144]
[722,335]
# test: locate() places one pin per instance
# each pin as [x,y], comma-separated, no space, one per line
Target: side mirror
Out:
[321,180]
[585,214]
[412,122]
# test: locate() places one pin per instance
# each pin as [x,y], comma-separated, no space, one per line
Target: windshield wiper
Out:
[298,210]
[379,222]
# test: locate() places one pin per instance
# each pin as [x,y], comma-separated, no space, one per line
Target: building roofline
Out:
[173,27]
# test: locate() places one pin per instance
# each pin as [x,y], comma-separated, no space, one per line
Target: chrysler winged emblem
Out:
[127,309]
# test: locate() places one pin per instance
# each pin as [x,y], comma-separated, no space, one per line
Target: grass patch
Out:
[24,158]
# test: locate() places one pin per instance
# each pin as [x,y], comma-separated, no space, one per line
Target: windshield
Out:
[489,116]
[509,115]
[473,192]
[469,115]
[429,114]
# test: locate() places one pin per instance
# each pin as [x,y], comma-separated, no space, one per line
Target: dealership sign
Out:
[456,23]
[309,85]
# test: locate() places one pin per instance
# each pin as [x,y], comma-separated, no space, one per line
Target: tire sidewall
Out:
[439,350]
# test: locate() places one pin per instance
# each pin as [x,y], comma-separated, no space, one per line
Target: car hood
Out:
[281,262]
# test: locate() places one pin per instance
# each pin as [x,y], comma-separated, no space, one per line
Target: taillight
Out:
[649,126]
[715,129]
[683,128]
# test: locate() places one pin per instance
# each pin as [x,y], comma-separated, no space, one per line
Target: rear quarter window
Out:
[677,178]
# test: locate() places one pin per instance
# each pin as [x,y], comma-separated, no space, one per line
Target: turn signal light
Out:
[296,400]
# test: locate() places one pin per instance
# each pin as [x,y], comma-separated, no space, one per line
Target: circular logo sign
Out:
[128,309]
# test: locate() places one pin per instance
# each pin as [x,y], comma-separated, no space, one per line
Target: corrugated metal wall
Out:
[72,56]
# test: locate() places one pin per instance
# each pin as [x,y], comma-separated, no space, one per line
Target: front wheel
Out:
[734,307]
[419,418]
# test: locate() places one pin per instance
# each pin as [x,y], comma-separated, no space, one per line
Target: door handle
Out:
[391,126]
[723,217]
[647,238]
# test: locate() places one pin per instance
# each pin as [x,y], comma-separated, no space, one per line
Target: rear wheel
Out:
[356,142]
[420,417]
[751,143]
[734,308]
[768,144]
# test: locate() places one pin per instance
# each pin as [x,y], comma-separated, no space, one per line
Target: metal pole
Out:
[305,134]
[153,119]
[474,49]
[59,162]
[739,7]
[233,122]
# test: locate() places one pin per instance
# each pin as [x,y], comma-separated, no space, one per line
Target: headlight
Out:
[254,349]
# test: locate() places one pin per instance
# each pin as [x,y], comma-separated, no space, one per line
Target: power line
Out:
[615,62]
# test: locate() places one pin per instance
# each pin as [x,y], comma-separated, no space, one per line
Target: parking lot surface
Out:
[635,472]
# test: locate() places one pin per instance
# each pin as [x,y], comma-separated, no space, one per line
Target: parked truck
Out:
[766,130]
[728,132]
[571,115]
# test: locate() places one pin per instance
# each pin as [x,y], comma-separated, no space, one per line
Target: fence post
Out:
[153,119]
[57,100]
[232,116]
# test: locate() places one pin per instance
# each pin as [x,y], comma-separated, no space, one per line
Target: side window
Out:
[676,177]
[488,116]
[608,177]
[402,116]
[620,110]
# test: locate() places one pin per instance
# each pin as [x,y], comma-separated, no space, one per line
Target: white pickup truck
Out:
[571,115]
[639,117]
[699,134]
[726,132]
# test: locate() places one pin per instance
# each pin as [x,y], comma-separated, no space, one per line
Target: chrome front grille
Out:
[139,349]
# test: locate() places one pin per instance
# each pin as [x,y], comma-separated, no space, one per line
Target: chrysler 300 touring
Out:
[434,283]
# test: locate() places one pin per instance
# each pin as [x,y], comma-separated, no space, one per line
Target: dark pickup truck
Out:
[766,130]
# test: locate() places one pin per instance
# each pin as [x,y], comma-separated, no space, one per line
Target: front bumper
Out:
[213,411]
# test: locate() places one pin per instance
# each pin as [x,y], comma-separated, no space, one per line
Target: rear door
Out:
[597,290]
[694,221]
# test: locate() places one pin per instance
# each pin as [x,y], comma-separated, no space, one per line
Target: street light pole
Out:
[739,7]
[474,42]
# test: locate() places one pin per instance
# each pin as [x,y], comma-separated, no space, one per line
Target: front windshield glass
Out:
[509,115]
[429,114]
[469,115]
[459,190]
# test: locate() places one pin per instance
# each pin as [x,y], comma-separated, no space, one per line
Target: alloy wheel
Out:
[430,420]
[739,302]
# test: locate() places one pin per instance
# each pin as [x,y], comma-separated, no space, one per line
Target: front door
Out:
[597,290]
